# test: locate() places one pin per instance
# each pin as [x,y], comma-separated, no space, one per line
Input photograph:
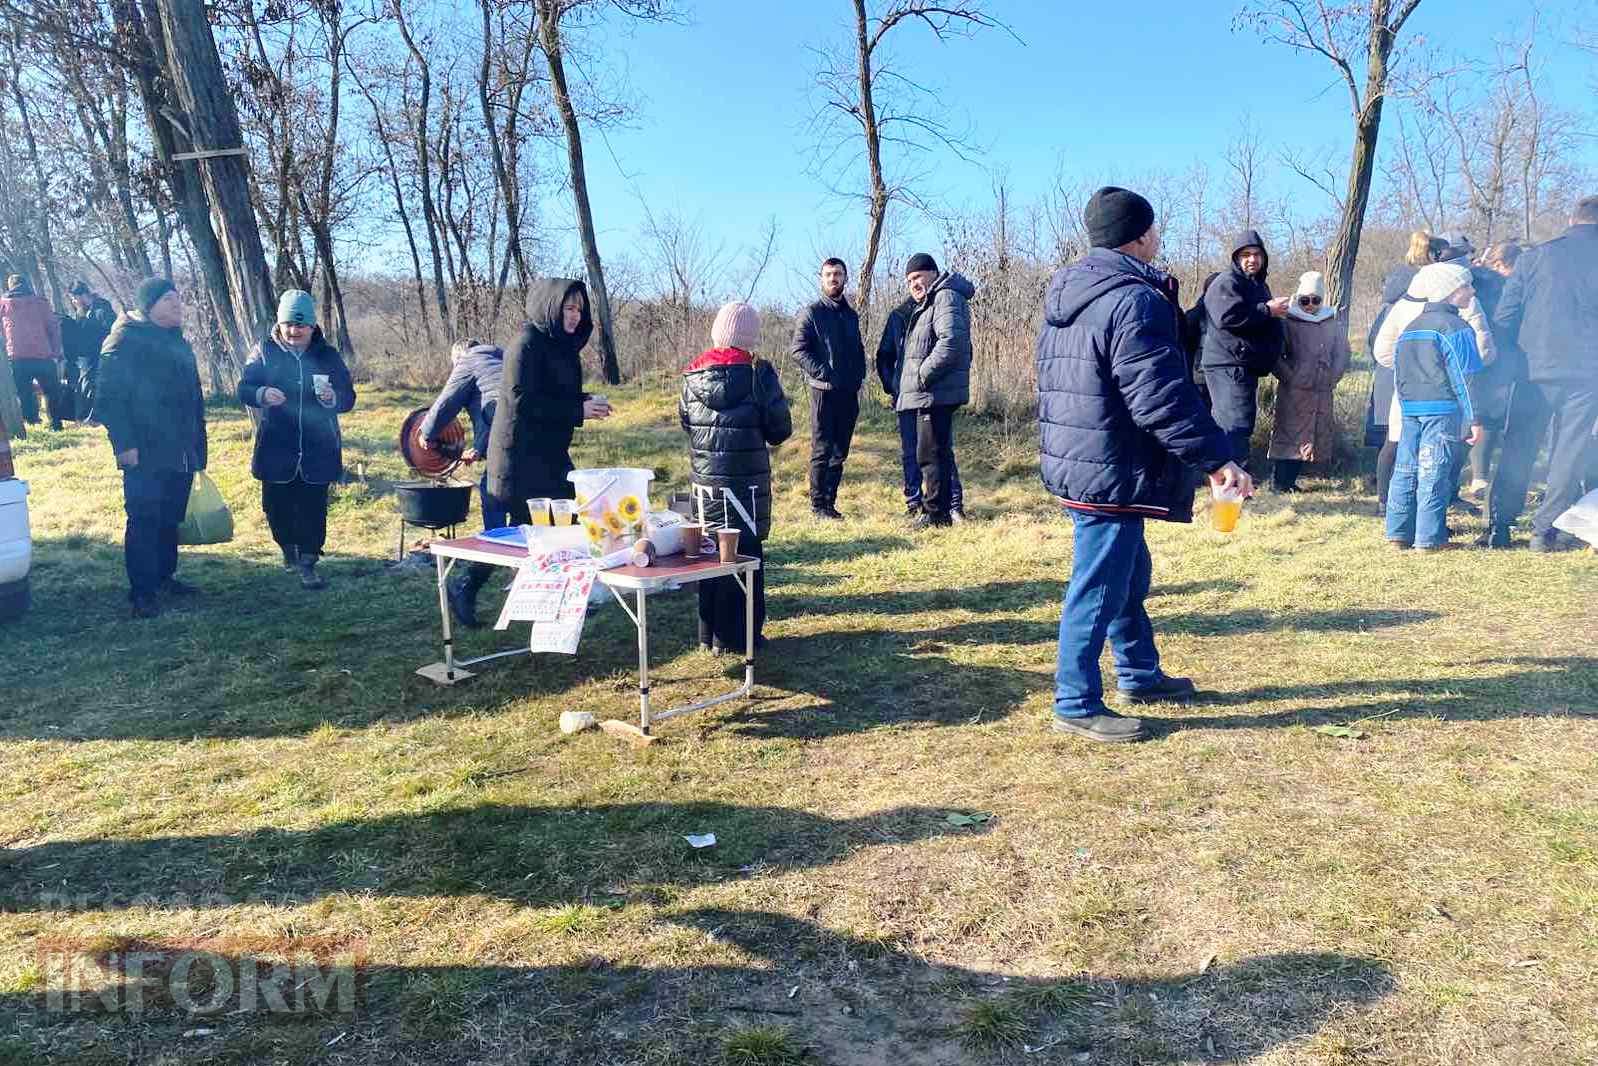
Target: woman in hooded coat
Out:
[542,401]
[541,404]
[1316,359]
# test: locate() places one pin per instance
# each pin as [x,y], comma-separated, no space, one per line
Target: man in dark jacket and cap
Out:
[1550,305]
[154,413]
[828,348]
[92,320]
[1123,430]
[1243,340]
[935,378]
[890,361]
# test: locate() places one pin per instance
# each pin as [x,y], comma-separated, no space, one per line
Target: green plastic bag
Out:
[207,520]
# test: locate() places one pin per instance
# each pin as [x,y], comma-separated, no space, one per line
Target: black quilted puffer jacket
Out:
[733,409]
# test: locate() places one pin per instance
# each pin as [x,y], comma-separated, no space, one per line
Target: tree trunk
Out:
[140,31]
[877,209]
[1367,126]
[402,210]
[507,180]
[549,25]
[196,72]
[419,131]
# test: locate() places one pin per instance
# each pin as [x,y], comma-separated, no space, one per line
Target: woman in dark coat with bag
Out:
[733,409]
[300,384]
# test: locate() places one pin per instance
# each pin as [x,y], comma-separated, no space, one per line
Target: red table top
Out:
[666,567]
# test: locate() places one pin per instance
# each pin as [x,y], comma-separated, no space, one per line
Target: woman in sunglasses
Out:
[1317,357]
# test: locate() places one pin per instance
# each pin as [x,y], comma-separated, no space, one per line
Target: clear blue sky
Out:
[1111,89]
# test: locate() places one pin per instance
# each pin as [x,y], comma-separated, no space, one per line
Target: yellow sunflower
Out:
[582,499]
[630,509]
[596,532]
[614,523]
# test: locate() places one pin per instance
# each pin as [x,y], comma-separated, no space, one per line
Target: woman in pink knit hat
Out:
[733,410]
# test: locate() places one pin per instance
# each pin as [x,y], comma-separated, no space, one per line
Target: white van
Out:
[16,549]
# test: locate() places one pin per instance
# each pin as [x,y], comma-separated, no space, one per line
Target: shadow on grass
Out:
[834,993]
[1564,686]
[536,856]
[812,552]
[253,654]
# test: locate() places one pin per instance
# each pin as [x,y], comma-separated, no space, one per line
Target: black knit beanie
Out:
[1116,216]
[150,291]
[918,262]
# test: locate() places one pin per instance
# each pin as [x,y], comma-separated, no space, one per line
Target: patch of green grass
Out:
[1055,997]
[990,1025]
[578,919]
[762,1045]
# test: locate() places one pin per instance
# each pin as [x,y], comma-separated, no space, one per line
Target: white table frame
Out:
[640,581]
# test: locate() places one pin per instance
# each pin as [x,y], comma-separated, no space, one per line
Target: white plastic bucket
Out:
[612,505]
[16,549]
[16,543]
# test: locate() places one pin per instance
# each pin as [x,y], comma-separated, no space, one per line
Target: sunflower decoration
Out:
[631,509]
[614,523]
[582,499]
[596,532]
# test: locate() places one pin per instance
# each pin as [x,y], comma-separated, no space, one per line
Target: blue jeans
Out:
[1423,480]
[912,469]
[1110,574]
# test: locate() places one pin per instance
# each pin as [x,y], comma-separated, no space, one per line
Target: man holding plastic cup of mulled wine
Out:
[1123,432]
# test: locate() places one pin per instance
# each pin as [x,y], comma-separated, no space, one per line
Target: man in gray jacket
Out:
[935,377]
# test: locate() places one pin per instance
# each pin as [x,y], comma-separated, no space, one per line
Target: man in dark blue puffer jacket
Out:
[1123,430]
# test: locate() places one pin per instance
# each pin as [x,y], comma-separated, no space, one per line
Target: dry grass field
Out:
[262,768]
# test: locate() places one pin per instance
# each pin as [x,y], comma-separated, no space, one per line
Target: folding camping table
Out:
[669,572]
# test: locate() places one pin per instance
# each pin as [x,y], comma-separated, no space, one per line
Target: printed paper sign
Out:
[534,597]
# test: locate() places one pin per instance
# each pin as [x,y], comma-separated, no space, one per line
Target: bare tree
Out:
[551,16]
[419,131]
[1245,155]
[1347,36]
[218,144]
[864,100]
[760,257]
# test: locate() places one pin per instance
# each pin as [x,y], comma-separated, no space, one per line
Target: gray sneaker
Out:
[1105,727]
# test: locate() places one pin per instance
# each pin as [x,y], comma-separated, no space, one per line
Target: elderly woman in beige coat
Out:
[1316,359]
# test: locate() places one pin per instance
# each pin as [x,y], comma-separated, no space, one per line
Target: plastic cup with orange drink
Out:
[1226,507]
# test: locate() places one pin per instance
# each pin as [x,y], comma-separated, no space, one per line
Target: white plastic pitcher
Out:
[612,505]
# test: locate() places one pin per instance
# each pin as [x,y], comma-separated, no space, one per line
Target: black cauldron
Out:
[432,504]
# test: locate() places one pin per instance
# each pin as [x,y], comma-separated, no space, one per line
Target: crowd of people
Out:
[1138,402]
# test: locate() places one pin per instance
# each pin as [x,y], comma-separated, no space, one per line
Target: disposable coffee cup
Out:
[693,536]
[727,542]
